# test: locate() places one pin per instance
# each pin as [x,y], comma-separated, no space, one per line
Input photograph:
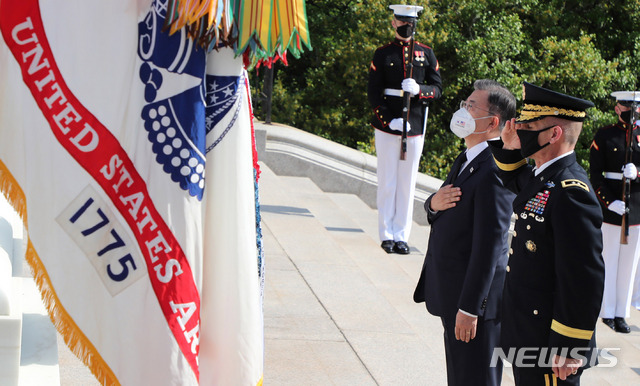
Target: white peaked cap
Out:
[403,10]
[628,96]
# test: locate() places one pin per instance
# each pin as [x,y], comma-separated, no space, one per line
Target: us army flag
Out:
[112,154]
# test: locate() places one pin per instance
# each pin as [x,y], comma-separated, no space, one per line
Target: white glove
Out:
[630,171]
[411,86]
[617,207]
[396,125]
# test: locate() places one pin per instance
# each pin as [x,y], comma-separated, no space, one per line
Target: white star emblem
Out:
[227,92]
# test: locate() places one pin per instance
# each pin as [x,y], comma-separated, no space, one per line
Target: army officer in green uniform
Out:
[555,273]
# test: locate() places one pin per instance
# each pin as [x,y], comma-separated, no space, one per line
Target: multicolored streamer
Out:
[261,30]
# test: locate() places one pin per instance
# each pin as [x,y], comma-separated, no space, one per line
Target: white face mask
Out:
[463,124]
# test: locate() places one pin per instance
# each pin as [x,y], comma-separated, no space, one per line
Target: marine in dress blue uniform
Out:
[555,274]
[389,79]
[608,166]
[464,269]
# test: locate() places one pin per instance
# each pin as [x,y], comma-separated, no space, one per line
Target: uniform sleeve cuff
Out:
[506,160]
[571,332]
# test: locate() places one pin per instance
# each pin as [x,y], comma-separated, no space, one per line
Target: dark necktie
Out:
[457,166]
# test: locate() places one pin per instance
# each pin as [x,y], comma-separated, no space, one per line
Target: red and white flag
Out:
[128,154]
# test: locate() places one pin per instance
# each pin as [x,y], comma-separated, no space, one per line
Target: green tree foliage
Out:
[585,48]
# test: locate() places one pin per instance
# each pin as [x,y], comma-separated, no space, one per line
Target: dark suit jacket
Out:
[467,254]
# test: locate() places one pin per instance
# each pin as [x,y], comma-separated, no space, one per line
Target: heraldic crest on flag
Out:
[174,119]
[126,146]
[172,72]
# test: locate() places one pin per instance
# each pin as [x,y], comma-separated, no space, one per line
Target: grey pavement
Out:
[338,310]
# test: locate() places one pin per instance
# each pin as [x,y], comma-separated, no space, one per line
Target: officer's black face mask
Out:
[405,31]
[529,141]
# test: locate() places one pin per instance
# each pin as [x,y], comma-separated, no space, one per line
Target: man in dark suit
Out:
[555,277]
[464,269]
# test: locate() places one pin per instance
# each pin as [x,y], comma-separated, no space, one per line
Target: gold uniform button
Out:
[508,269]
[528,227]
[511,251]
[515,233]
[535,312]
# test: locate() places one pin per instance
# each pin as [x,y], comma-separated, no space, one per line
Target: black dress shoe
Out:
[387,245]
[610,323]
[401,247]
[621,325]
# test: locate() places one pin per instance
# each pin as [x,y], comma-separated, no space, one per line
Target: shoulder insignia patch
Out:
[574,182]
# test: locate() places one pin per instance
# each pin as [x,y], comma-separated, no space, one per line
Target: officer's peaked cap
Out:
[406,12]
[540,102]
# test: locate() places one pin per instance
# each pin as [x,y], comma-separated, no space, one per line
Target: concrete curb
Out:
[333,167]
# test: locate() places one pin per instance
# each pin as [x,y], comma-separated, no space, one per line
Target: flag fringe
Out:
[13,192]
[256,178]
[77,342]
